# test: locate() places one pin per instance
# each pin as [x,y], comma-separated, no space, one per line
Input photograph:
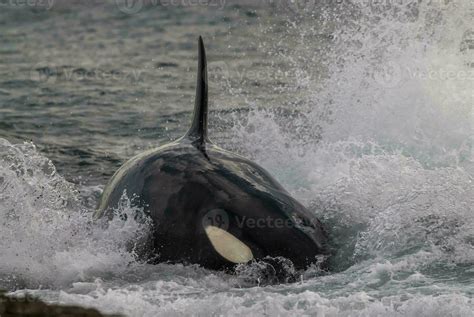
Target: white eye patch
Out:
[228,246]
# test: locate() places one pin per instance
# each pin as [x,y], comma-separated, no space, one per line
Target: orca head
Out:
[261,219]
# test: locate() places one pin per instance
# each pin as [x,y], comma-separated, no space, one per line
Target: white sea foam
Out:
[47,237]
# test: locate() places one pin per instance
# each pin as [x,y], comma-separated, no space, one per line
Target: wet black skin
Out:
[191,183]
[180,184]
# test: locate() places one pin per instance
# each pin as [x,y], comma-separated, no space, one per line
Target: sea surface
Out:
[362,109]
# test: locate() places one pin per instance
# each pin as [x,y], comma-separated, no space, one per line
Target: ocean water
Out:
[362,109]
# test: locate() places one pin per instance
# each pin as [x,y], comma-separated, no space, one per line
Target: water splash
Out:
[47,237]
[391,168]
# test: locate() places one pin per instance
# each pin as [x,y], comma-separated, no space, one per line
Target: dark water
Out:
[361,109]
[89,84]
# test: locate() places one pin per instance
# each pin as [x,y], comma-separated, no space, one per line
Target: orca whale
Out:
[212,207]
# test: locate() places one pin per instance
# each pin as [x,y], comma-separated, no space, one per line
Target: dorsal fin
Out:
[198,131]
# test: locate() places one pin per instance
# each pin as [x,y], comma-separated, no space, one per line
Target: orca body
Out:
[212,207]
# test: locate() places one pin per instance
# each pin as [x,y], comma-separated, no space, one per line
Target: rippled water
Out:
[361,109]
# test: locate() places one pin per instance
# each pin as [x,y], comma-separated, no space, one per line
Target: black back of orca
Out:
[212,207]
